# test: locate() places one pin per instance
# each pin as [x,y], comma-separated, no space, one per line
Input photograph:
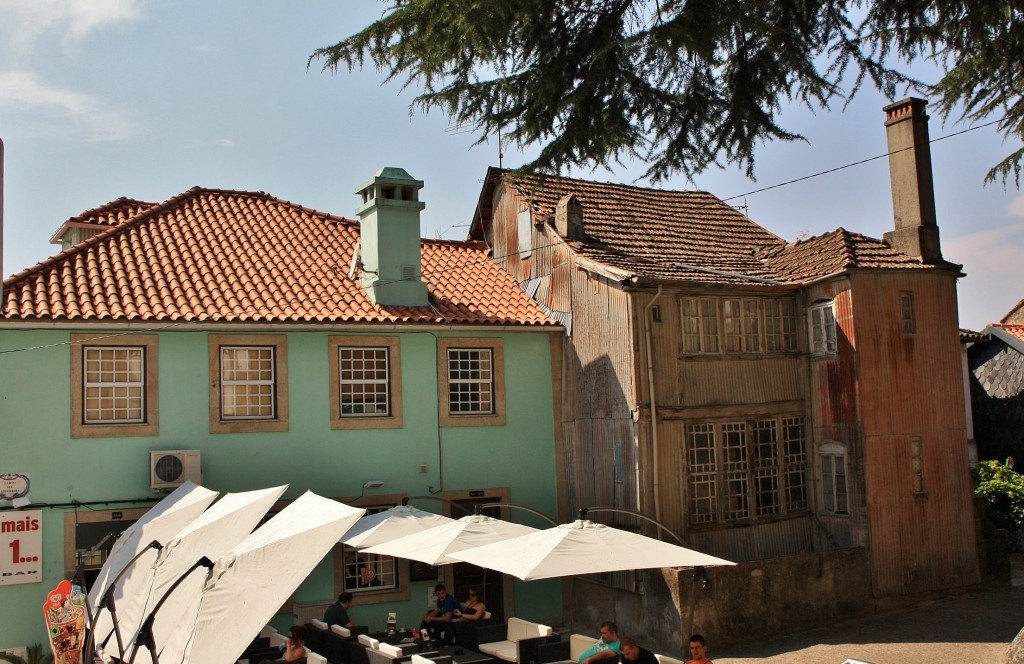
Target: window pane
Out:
[247,390]
[114,385]
[365,386]
[470,381]
[701,457]
[751,327]
[709,325]
[732,323]
[690,311]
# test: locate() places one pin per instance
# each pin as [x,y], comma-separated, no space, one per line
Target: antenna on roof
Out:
[355,260]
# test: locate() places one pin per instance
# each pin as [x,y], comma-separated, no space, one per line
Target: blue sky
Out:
[145,99]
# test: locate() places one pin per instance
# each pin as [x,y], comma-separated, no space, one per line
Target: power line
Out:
[858,163]
[467,265]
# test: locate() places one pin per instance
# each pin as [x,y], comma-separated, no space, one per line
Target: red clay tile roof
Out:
[215,255]
[1015,330]
[113,213]
[688,235]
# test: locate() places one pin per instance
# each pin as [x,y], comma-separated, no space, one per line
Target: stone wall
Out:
[743,603]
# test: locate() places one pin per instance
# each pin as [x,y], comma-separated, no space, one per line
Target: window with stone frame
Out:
[471,383]
[366,382]
[368,572]
[248,383]
[746,470]
[114,387]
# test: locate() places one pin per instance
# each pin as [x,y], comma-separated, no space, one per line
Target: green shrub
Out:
[1001,490]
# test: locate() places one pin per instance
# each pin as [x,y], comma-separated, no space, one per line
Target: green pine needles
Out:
[684,84]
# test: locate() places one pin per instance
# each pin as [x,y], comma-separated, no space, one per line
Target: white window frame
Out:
[117,379]
[148,424]
[380,359]
[821,321]
[270,382]
[835,495]
[278,345]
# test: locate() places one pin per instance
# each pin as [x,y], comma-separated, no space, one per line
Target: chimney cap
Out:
[905,108]
[391,175]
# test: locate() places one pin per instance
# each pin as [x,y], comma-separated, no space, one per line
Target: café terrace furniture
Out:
[503,641]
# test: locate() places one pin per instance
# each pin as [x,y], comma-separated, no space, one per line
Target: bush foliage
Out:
[1001,489]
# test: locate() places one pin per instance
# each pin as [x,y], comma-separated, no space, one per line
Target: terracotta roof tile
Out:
[693,235]
[241,256]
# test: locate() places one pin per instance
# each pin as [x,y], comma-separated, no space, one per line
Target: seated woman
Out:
[475,607]
[295,649]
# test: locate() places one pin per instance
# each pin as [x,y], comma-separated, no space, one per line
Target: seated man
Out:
[606,647]
[634,654]
[337,613]
[698,651]
[439,621]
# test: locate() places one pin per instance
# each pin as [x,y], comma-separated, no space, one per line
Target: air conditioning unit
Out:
[169,469]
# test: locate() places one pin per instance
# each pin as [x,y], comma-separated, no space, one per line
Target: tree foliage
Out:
[1001,490]
[683,84]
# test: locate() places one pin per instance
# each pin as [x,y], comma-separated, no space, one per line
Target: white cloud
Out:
[1017,207]
[24,22]
[993,261]
[22,92]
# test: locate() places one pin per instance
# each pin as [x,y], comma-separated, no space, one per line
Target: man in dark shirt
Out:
[634,654]
[439,621]
[337,613]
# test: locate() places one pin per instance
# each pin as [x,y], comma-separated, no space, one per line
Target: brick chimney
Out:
[389,235]
[910,171]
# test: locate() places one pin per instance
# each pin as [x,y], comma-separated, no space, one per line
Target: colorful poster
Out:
[64,612]
[21,547]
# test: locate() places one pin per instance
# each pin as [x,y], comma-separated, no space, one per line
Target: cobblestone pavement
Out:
[975,627]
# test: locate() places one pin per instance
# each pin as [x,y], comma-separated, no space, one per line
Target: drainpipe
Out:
[654,406]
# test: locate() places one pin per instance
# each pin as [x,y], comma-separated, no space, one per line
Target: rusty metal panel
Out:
[788,537]
[727,381]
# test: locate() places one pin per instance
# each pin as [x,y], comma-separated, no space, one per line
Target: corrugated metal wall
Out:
[922,535]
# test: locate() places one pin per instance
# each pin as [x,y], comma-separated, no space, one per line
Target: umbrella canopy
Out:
[581,547]
[212,534]
[161,523]
[432,546]
[248,585]
[390,524]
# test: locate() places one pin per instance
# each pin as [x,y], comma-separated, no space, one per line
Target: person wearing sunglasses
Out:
[475,607]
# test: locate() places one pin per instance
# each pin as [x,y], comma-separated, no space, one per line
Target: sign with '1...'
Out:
[21,547]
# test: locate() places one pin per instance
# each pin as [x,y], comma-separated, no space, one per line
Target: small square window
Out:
[366,385]
[113,386]
[248,376]
[471,382]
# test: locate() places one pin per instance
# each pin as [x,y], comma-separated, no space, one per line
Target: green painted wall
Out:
[35,438]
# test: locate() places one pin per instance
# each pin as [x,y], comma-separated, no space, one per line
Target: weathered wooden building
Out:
[767,400]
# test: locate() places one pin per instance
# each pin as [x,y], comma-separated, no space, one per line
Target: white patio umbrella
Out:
[160,524]
[248,585]
[433,546]
[396,522]
[581,547]
[226,523]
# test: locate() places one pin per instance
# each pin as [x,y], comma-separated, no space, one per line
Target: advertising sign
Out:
[64,612]
[21,547]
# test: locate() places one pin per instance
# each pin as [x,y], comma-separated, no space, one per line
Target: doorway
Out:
[496,587]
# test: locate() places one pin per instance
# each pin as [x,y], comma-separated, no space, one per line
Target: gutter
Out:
[654,405]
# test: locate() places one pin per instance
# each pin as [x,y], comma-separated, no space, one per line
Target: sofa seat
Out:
[515,631]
